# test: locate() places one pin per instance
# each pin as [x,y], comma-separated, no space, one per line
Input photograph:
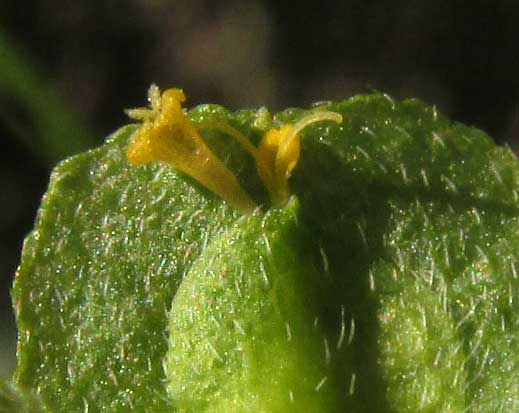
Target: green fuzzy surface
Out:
[241,332]
[394,267]
[14,399]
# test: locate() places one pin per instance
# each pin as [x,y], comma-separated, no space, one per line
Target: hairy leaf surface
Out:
[407,231]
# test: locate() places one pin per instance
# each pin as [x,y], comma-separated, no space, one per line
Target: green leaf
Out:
[98,275]
[396,269]
[242,315]
[419,220]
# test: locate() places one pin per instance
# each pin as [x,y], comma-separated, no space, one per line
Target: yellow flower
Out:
[167,135]
[279,152]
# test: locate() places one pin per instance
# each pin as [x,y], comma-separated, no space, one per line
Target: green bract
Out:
[242,336]
[387,284]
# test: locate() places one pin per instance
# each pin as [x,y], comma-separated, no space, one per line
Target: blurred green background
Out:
[67,69]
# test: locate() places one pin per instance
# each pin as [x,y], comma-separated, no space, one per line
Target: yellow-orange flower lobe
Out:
[279,152]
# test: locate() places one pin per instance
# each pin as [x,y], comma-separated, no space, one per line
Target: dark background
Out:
[67,69]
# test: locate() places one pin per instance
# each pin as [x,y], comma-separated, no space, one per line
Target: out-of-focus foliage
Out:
[50,129]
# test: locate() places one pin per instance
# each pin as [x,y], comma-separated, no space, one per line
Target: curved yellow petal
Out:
[280,150]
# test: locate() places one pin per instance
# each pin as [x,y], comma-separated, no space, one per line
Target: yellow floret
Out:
[167,135]
[279,152]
